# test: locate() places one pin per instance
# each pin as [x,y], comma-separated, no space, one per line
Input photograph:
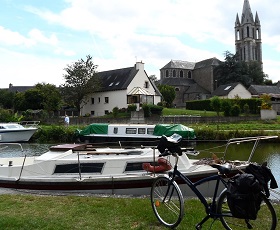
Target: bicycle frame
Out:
[209,208]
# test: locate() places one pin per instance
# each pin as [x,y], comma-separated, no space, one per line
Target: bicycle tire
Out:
[266,217]
[170,211]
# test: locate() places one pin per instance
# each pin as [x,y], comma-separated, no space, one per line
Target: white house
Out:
[120,88]
[231,90]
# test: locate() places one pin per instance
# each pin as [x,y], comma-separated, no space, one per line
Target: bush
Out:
[235,110]
[131,107]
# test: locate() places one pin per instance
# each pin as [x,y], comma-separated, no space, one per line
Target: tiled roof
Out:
[224,90]
[117,79]
[208,62]
[264,89]
[176,64]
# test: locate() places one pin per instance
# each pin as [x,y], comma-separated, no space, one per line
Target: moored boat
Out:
[132,134]
[82,167]
[15,132]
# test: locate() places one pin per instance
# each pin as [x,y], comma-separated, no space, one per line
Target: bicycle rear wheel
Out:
[266,218]
[167,202]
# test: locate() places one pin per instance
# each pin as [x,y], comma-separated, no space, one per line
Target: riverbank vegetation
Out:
[59,133]
[27,212]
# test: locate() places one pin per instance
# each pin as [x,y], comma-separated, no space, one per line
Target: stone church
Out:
[196,81]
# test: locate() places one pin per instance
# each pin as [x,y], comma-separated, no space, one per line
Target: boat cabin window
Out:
[131,131]
[84,168]
[135,166]
[150,131]
[115,130]
[141,131]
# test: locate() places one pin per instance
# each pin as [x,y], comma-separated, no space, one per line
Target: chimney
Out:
[139,66]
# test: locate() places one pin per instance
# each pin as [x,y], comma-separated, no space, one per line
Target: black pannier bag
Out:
[243,196]
[243,193]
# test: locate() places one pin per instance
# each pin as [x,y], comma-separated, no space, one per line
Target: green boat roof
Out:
[169,129]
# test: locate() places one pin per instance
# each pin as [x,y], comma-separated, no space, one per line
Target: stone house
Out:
[192,81]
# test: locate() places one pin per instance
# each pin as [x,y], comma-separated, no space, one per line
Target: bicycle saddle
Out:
[223,169]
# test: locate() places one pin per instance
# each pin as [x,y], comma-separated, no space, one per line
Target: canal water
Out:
[265,152]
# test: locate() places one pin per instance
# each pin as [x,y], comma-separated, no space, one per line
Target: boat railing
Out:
[255,139]
[29,123]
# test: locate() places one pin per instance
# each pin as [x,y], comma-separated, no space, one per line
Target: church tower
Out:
[248,44]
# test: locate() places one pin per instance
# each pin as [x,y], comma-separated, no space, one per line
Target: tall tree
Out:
[232,70]
[6,99]
[81,80]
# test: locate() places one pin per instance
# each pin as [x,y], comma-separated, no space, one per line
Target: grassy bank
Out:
[73,212]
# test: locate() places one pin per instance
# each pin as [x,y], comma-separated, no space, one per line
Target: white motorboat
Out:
[76,167]
[132,134]
[15,132]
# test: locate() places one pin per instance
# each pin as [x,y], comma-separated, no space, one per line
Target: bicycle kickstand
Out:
[199,225]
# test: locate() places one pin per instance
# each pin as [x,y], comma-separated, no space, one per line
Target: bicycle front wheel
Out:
[266,217]
[167,202]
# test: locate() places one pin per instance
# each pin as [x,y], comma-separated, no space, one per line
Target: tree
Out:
[168,94]
[216,104]
[154,79]
[80,80]
[232,70]
[6,99]
[51,97]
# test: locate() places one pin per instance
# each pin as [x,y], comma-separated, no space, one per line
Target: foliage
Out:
[155,109]
[131,107]
[51,98]
[81,80]
[6,99]
[232,70]
[226,107]
[266,101]
[168,94]
[216,104]
[147,110]
[235,110]
[253,103]
[246,109]
[115,111]
[7,115]
[154,79]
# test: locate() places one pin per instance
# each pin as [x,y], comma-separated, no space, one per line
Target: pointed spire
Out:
[247,16]
[237,22]
[257,20]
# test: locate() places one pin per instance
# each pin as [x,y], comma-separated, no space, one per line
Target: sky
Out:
[38,39]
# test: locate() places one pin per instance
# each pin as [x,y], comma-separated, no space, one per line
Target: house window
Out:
[141,131]
[146,84]
[115,130]
[92,113]
[106,100]
[92,100]
[166,73]
[130,130]
[99,100]
[174,73]
[181,73]
[106,112]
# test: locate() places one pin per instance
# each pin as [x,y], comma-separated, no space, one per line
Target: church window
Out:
[166,73]
[189,74]
[174,73]
[253,31]
[238,35]
[258,33]
[181,73]
[177,89]
[248,34]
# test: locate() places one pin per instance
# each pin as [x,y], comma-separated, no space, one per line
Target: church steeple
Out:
[248,35]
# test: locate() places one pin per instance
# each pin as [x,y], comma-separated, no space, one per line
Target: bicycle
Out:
[168,202]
